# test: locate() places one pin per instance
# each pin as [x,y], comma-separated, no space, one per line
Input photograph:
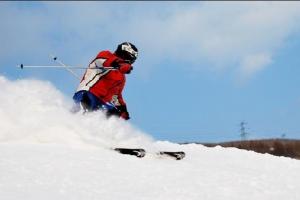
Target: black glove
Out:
[123,113]
[117,63]
[122,65]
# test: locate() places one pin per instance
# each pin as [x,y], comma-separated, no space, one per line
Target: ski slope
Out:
[48,153]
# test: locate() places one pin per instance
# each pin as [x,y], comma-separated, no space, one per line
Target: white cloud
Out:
[254,63]
[223,34]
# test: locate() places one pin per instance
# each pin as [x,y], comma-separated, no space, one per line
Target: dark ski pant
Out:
[90,103]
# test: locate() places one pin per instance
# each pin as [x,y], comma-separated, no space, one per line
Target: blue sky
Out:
[203,67]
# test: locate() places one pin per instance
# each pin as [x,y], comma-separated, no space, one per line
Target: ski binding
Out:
[178,155]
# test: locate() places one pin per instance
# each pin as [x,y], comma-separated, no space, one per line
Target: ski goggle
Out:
[128,49]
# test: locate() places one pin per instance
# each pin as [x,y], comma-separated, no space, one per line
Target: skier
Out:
[103,82]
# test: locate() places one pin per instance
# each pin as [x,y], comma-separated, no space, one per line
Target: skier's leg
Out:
[90,102]
[78,97]
[86,100]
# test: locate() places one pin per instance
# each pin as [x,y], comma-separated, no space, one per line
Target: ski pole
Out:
[22,66]
[65,66]
[77,67]
[62,65]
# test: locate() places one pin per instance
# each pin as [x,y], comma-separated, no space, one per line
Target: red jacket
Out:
[105,78]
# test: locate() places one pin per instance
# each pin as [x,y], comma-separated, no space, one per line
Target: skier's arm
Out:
[123,66]
[106,59]
[122,107]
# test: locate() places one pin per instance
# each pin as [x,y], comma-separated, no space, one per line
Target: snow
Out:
[46,152]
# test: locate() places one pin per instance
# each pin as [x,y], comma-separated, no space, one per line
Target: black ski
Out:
[134,152]
[178,155]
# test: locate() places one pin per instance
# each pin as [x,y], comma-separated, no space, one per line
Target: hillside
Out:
[46,152]
[55,171]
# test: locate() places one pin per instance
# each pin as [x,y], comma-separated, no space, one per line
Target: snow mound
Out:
[46,152]
[56,171]
[33,111]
